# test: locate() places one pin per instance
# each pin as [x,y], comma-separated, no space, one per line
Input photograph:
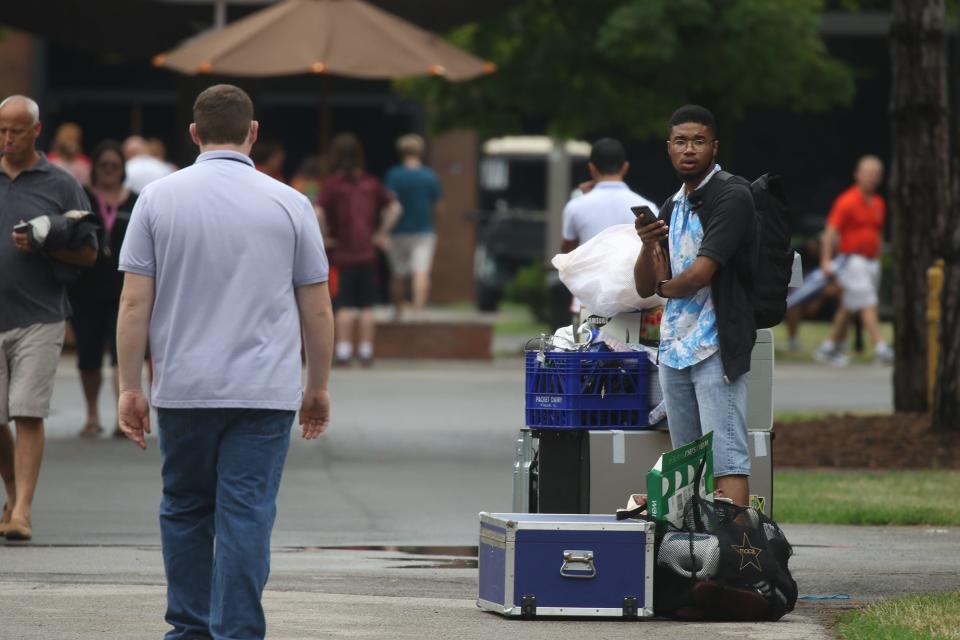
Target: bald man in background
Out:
[855,230]
[34,301]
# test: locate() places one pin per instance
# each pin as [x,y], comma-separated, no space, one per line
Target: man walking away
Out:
[33,302]
[706,273]
[414,239]
[856,221]
[605,204]
[609,200]
[223,265]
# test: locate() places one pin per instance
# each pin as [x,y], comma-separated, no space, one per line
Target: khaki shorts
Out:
[412,253]
[28,365]
[860,279]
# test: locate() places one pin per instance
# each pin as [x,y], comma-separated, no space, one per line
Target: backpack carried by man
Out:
[775,259]
[774,253]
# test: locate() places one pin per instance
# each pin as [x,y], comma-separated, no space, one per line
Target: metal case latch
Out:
[630,607]
[528,607]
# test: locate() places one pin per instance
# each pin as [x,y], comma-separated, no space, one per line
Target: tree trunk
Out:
[946,395]
[919,185]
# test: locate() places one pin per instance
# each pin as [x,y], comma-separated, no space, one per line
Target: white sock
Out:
[881,346]
[828,345]
[344,350]
[365,350]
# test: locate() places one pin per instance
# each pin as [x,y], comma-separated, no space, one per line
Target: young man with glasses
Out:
[701,255]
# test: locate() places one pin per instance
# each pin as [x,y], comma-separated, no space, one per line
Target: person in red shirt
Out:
[357,213]
[855,227]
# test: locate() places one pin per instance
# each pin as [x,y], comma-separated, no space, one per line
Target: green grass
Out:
[520,328]
[516,320]
[921,617]
[803,416]
[868,497]
[798,416]
[811,334]
[512,319]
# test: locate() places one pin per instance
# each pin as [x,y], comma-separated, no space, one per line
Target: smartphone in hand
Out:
[22,227]
[645,213]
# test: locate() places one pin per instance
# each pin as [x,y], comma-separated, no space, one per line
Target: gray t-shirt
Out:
[28,291]
[226,246]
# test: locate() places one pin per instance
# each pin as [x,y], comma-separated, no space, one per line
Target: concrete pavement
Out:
[415,451]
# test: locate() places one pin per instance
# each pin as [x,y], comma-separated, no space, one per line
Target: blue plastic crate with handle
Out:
[587,390]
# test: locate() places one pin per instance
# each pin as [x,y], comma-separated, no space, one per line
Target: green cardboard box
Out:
[670,484]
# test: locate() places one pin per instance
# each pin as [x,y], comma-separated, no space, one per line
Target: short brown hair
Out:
[410,145]
[346,153]
[223,114]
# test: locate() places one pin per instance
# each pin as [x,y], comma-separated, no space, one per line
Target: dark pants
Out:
[357,288]
[95,325]
[221,473]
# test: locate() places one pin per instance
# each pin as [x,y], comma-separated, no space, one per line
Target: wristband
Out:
[659,289]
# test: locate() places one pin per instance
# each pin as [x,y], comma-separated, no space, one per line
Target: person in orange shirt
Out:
[855,226]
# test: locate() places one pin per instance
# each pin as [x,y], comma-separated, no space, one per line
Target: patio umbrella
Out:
[339,37]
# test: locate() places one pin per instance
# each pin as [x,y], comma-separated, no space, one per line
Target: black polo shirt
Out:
[29,294]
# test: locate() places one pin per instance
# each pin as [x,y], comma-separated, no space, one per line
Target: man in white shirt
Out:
[142,168]
[607,203]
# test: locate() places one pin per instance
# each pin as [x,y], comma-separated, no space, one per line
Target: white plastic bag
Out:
[600,272]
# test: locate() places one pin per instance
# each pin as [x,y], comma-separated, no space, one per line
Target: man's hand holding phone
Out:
[651,230]
[20,238]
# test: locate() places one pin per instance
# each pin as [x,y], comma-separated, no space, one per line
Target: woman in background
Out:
[67,152]
[95,297]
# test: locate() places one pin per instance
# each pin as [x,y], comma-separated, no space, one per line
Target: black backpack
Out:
[775,255]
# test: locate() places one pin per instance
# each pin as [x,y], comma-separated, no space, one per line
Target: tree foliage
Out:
[584,66]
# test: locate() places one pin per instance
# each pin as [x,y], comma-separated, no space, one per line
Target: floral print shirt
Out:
[688,329]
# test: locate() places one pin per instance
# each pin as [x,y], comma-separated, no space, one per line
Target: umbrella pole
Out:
[219,14]
[323,115]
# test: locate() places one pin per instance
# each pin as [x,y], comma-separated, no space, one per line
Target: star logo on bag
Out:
[749,554]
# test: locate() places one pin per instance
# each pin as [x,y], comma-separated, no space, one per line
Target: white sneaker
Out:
[824,355]
[839,360]
[883,355]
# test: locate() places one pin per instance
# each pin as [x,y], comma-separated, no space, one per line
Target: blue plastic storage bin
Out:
[587,390]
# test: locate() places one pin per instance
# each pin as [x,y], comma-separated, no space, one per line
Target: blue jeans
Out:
[221,473]
[698,401]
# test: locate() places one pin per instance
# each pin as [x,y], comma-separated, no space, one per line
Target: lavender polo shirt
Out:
[226,246]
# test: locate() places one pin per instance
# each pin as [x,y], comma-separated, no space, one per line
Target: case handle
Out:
[578,564]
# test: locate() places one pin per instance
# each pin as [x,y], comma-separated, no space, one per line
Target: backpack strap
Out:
[663,207]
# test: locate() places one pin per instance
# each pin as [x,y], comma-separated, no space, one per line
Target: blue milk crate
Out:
[587,390]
